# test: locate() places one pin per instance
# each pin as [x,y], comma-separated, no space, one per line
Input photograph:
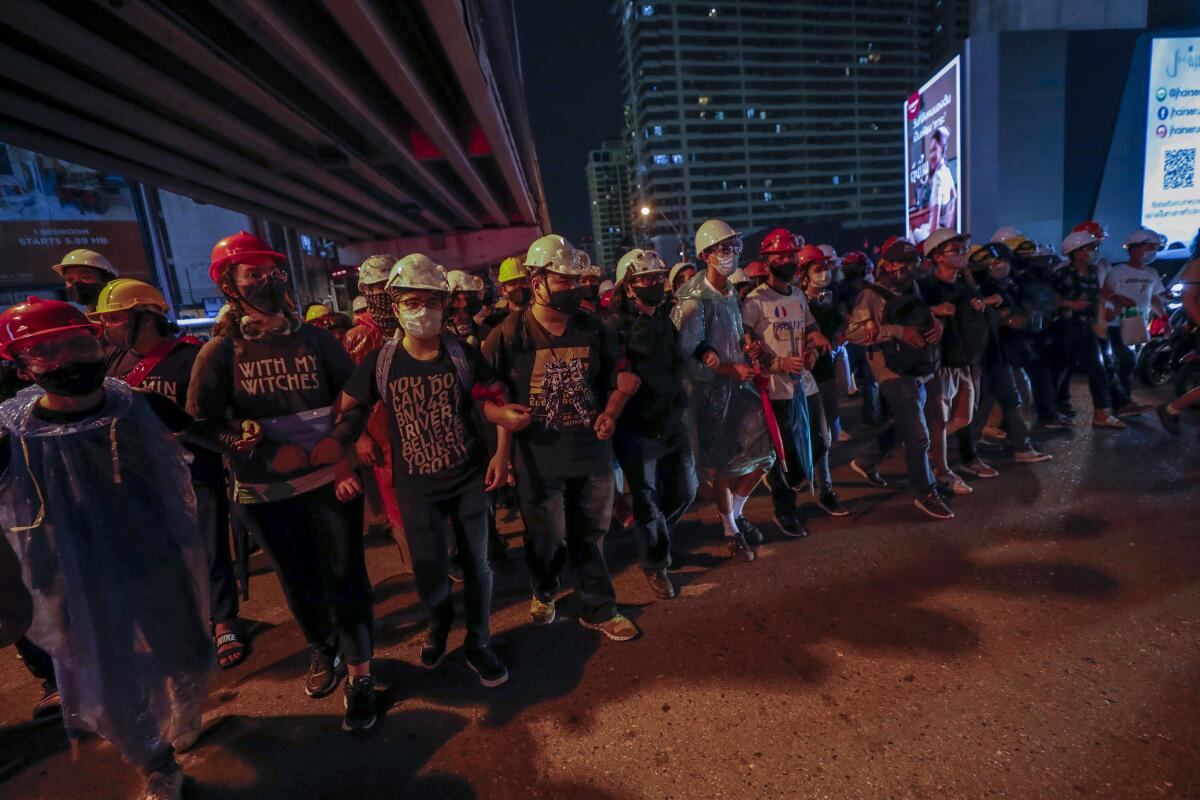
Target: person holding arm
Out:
[1135,290]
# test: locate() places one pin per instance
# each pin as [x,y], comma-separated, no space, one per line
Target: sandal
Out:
[231,650]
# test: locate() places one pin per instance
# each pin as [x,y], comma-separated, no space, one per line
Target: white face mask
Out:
[726,264]
[421,324]
[1149,258]
[821,279]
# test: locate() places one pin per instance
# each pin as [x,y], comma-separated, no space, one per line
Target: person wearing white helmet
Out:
[652,443]
[1004,233]
[733,443]
[359,310]
[567,368]
[378,323]
[84,273]
[1135,291]
[680,274]
[464,307]
[1078,291]
[589,284]
[428,382]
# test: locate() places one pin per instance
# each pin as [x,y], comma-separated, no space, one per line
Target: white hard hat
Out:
[714,231]
[359,304]
[375,269]
[553,253]
[417,271]
[606,285]
[86,258]
[1007,232]
[678,268]
[1076,240]
[829,252]
[1145,236]
[588,267]
[939,237]
[460,281]
[739,276]
[639,262]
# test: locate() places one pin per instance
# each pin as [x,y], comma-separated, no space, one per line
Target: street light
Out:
[646,210]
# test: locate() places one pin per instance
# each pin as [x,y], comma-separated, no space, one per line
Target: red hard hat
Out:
[857,258]
[757,269]
[808,254]
[233,249]
[38,317]
[780,240]
[1092,227]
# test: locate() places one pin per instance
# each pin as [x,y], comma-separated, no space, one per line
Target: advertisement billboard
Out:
[1170,194]
[49,207]
[932,149]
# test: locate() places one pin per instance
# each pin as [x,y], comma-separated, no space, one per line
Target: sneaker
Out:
[433,649]
[542,613]
[661,584]
[1031,456]
[979,469]
[931,503]
[1108,422]
[324,673]
[738,547]
[488,666]
[1170,423]
[753,535]
[619,628]
[50,706]
[1066,412]
[1133,409]
[360,704]
[869,474]
[163,786]
[830,504]
[791,525]
[1054,423]
[954,483]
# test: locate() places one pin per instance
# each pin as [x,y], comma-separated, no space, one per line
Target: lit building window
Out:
[712,12]
[749,113]
[837,179]
[704,99]
[677,158]
[658,130]
[779,127]
[647,10]
[660,159]
[719,115]
[768,196]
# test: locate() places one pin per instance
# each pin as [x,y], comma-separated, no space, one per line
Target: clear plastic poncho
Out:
[729,431]
[102,516]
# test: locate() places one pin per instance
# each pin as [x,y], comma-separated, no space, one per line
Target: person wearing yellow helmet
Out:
[514,283]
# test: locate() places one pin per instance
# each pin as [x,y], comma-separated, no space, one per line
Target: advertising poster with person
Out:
[1170,194]
[49,207]
[932,145]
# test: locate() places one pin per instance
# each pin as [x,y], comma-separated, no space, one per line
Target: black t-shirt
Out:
[565,380]
[936,291]
[437,445]
[650,342]
[830,315]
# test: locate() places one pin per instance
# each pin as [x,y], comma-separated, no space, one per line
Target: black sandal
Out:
[231,650]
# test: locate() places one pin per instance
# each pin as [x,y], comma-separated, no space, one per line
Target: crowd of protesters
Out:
[130,452]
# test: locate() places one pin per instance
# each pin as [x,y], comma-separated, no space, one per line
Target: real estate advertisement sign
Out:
[1170,194]
[932,150]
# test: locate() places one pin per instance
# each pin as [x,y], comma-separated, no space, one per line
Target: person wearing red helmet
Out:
[778,316]
[263,388]
[98,505]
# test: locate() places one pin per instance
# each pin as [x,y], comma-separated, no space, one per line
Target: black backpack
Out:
[907,309]
[973,330]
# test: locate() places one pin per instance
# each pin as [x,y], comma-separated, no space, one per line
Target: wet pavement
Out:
[1046,644]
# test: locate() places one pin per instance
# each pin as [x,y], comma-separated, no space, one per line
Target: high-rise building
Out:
[950,22]
[608,191]
[766,113]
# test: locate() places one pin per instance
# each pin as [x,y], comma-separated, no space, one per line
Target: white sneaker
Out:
[954,483]
[1108,422]
[1031,456]
[163,786]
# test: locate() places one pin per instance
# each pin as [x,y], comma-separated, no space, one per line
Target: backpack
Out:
[907,309]
[973,331]
[387,353]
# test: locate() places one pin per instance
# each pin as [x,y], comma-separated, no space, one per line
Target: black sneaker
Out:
[50,706]
[830,504]
[360,704]
[738,547]
[324,673]
[791,525]
[433,649]
[456,570]
[661,584]
[869,474]
[933,505]
[748,529]
[488,666]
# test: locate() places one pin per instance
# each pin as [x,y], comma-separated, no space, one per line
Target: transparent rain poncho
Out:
[102,516]
[729,431]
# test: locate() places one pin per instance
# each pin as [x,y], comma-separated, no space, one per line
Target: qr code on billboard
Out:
[1179,169]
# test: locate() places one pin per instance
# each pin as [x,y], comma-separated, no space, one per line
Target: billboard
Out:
[49,207]
[932,149]
[1170,195]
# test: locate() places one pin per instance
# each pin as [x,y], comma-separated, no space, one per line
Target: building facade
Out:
[609,195]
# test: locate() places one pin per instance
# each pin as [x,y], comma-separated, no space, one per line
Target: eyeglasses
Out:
[647,280]
[46,355]
[254,275]
[728,246]
[415,304]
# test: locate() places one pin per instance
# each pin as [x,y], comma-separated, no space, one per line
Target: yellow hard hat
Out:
[512,269]
[124,294]
[316,312]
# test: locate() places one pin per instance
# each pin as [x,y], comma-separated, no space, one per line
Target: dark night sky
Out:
[569,60]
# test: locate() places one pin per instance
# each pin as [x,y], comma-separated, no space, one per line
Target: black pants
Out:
[1124,361]
[212,511]
[1038,363]
[566,519]
[426,527]
[315,543]
[37,661]
[662,482]
[1078,348]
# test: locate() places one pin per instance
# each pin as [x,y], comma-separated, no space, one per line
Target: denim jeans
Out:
[865,379]
[566,520]
[426,527]
[906,398]
[999,385]
[662,483]
[819,438]
[1078,348]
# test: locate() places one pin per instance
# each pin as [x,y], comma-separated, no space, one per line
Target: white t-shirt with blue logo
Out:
[781,322]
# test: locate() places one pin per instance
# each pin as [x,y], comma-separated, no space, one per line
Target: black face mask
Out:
[85,294]
[784,272]
[565,301]
[898,280]
[73,380]
[379,306]
[589,292]
[266,296]
[474,305]
[519,297]
[650,295]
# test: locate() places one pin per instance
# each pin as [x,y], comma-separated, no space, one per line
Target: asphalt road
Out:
[1046,644]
